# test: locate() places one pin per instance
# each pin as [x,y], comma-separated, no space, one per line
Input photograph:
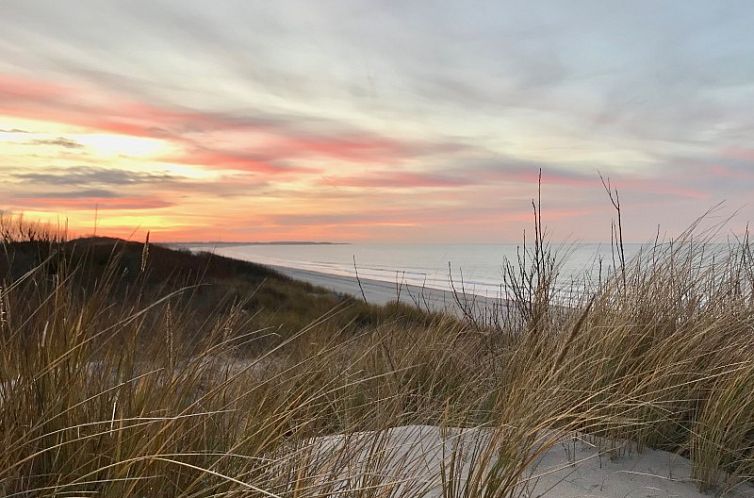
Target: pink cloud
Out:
[723,171]
[658,184]
[235,160]
[740,153]
[280,139]
[353,148]
[14,89]
[530,175]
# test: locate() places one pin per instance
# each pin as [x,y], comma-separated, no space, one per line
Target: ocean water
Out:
[478,267]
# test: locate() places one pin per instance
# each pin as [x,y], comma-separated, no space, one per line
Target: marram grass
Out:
[154,373]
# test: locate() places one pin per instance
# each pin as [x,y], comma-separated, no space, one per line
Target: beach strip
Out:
[470,306]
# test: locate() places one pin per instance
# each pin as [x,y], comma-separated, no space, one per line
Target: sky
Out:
[378,121]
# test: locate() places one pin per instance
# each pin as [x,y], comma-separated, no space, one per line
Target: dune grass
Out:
[130,369]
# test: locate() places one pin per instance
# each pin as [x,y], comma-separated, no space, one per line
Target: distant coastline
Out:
[273,243]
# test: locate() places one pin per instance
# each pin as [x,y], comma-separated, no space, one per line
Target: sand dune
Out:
[409,461]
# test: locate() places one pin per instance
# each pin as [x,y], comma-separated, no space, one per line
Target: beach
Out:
[379,292]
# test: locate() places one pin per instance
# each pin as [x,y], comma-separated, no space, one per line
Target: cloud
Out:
[87,175]
[75,194]
[122,203]
[14,130]
[162,184]
[399,179]
[249,162]
[740,154]
[88,200]
[418,217]
[506,174]
[351,106]
[661,180]
[276,136]
[353,147]
[59,142]
[503,169]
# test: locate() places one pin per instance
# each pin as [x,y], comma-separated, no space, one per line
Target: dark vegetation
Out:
[205,283]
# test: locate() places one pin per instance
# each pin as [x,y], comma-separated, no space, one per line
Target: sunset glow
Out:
[372,121]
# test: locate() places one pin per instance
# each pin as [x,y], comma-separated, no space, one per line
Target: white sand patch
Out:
[425,460]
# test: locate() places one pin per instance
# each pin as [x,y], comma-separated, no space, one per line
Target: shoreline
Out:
[470,306]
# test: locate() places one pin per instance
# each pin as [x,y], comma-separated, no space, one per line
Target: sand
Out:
[380,293]
[406,461]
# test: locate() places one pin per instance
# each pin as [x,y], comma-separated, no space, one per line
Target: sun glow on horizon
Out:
[409,124]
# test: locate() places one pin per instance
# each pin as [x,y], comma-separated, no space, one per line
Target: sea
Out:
[474,268]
